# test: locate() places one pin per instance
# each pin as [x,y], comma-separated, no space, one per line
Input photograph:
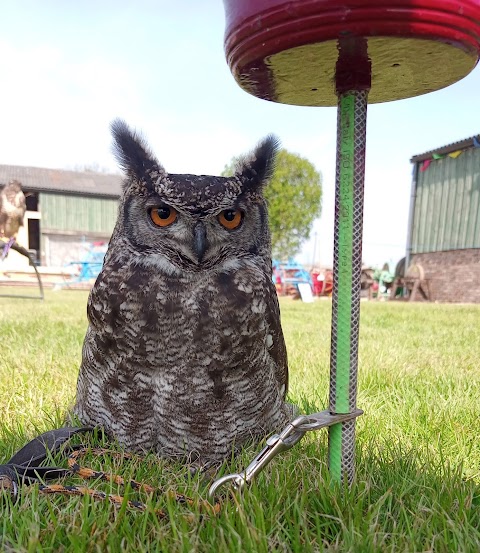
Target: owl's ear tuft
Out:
[256,168]
[132,152]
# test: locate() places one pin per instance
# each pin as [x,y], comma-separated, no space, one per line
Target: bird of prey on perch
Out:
[12,212]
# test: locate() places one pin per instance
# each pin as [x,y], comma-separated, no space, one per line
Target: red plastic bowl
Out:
[286,50]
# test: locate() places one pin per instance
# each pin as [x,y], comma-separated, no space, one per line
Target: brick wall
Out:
[454,275]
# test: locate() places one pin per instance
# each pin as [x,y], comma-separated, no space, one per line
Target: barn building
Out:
[444,228]
[66,211]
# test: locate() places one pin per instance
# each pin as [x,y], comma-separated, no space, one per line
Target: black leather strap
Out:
[24,466]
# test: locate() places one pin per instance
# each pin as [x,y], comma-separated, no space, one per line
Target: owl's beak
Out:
[199,240]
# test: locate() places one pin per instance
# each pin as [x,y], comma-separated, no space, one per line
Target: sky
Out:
[67,69]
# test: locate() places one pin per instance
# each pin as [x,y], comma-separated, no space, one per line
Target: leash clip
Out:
[288,437]
[276,444]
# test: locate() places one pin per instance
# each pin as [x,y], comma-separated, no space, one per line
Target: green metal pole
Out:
[349,182]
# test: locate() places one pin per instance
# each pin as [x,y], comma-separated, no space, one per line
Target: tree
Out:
[294,198]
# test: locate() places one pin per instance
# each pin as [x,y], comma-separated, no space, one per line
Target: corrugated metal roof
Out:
[449,148]
[60,180]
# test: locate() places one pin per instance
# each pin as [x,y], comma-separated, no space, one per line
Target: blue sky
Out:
[68,68]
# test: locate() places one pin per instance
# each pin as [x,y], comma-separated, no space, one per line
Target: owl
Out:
[184,352]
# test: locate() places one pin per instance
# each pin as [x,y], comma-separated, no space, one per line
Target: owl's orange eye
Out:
[230,218]
[163,216]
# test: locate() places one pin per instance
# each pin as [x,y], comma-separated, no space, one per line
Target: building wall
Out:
[66,224]
[71,223]
[454,276]
[82,214]
[447,204]
[59,250]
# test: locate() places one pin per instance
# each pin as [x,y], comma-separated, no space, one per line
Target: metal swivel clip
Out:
[288,437]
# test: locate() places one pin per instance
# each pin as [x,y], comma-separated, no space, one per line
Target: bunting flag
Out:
[425,165]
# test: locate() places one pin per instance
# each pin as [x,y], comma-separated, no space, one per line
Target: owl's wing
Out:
[278,351]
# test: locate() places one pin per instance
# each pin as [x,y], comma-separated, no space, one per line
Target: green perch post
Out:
[349,183]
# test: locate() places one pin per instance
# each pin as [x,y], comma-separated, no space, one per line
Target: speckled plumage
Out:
[184,352]
[12,209]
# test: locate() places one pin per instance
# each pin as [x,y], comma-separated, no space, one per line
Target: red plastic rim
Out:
[256,30]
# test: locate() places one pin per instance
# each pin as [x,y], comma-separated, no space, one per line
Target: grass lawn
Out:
[418,449]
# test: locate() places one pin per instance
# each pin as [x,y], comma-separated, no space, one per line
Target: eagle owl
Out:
[184,352]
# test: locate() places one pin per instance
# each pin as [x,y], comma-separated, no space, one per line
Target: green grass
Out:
[418,449]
